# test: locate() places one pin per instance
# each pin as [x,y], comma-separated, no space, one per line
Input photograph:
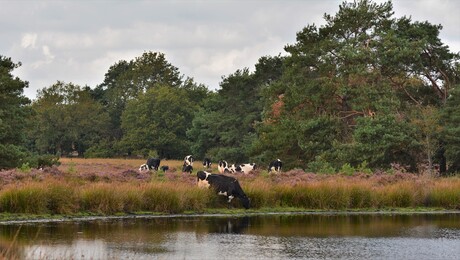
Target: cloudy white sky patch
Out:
[78,41]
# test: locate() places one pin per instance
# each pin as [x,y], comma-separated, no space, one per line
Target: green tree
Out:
[450,119]
[13,114]
[127,80]
[157,121]
[225,126]
[362,63]
[384,140]
[68,119]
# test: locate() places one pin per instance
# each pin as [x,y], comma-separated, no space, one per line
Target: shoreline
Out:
[15,220]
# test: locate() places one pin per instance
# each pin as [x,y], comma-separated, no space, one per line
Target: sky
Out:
[77,41]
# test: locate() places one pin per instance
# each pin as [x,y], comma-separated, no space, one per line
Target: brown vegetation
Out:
[108,186]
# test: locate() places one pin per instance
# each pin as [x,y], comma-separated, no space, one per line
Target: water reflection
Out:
[423,236]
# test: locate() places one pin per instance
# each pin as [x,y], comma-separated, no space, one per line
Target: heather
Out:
[113,186]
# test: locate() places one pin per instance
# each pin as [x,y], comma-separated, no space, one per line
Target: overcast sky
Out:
[77,41]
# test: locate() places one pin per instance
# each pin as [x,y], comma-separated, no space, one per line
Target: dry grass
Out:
[109,186]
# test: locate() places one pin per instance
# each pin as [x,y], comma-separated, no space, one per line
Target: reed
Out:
[126,191]
[445,194]
[27,198]
[101,198]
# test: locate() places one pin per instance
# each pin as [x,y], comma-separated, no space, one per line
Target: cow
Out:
[242,168]
[223,166]
[187,168]
[207,163]
[188,160]
[164,168]
[223,185]
[151,164]
[275,166]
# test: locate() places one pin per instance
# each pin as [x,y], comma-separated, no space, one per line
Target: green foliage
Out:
[126,80]
[13,114]
[450,119]
[347,169]
[25,168]
[363,91]
[68,119]
[225,126]
[157,121]
[103,149]
[384,140]
[350,88]
[320,165]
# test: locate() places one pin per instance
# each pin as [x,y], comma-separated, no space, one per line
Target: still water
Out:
[272,236]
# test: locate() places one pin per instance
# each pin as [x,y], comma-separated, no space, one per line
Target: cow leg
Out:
[229,204]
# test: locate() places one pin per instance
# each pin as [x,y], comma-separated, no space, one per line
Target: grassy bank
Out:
[108,187]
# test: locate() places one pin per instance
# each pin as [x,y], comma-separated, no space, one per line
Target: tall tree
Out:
[13,112]
[225,127]
[157,122]
[362,63]
[127,80]
[450,119]
[68,119]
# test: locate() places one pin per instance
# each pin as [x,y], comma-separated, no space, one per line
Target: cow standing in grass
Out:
[223,166]
[187,168]
[223,185]
[188,160]
[242,168]
[207,163]
[188,164]
[275,166]
[151,164]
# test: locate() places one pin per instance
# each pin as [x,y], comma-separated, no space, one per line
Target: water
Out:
[276,236]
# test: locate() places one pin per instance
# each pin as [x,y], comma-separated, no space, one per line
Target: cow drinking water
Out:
[223,185]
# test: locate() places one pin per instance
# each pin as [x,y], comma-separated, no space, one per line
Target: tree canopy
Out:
[366,89]
[13,114]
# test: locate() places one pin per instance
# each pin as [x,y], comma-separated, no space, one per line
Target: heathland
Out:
[116,187]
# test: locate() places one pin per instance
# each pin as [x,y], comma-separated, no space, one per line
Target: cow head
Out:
[245,201]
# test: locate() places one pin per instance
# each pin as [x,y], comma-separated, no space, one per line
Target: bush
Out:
[319,165]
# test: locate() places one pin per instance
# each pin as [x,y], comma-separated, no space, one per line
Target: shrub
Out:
[25,168]
[347,169]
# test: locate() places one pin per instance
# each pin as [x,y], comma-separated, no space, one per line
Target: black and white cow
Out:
[223,185]
[187,168]
[223,166]
[151,164]
[242,168]
[275,166]
[188,160]
[207,163]
[164,168]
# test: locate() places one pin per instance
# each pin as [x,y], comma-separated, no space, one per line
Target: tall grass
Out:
[173,196]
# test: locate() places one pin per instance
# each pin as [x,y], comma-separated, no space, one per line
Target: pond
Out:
[274,236]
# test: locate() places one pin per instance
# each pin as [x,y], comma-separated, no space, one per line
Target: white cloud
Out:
[77,41]
[29,40]
[48,56]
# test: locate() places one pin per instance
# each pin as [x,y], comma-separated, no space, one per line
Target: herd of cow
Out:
[223,185]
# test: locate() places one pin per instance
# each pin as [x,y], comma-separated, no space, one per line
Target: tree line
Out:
[365,90]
